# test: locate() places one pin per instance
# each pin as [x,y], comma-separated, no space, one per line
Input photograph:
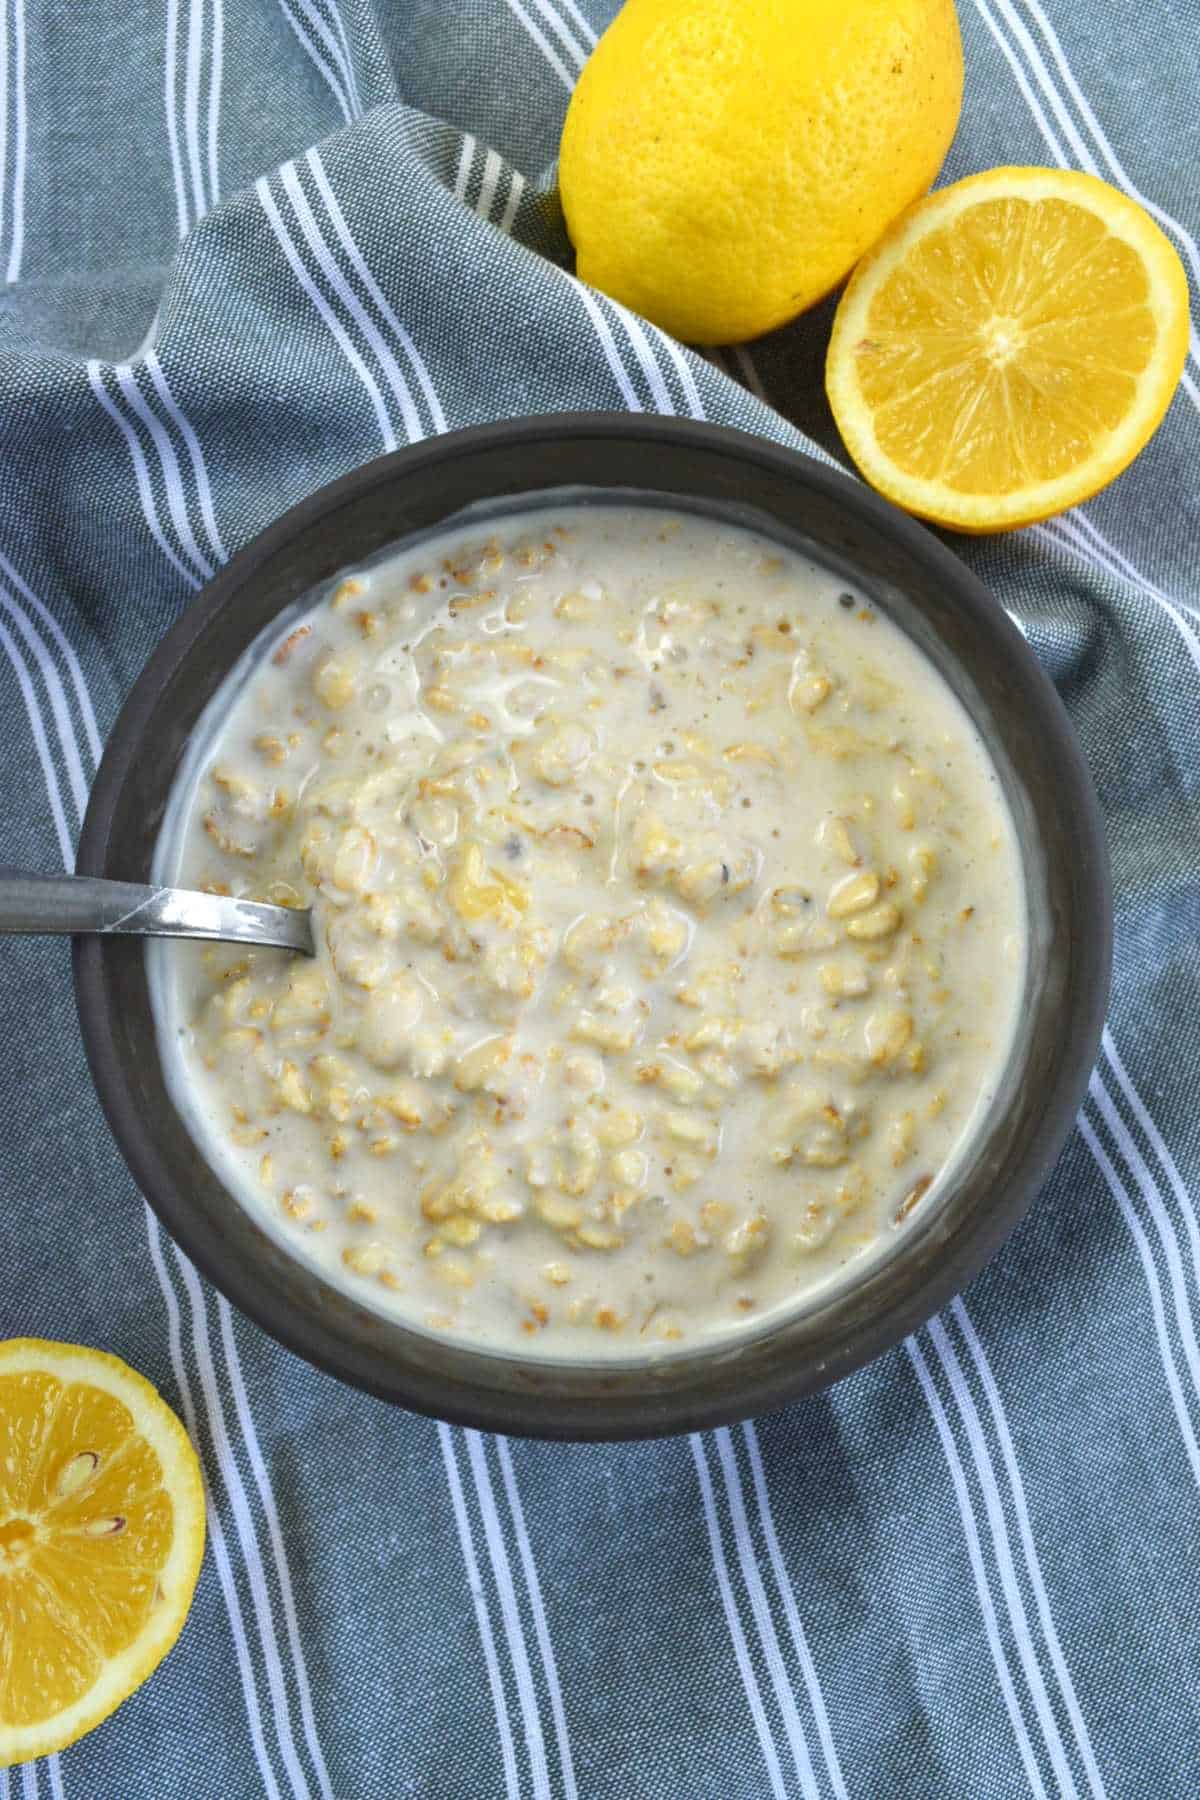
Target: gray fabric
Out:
[970,1570]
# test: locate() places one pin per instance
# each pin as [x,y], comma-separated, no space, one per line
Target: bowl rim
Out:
[490,1408]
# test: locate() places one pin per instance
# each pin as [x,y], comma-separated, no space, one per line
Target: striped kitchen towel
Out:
[247,245]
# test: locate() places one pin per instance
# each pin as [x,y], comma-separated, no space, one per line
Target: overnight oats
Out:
[670,920]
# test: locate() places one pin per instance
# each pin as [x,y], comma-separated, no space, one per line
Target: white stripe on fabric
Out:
[42,747]
[29,1781]
[516,188]
[562,32]
[1152,1132]
[243,1524]
[760,1610]
[466,157]
[1025,1531]
[170,57]
[216,1530]
[196,455]
[347,59]
[1079,517]
[336,329]
[540,1627]
[216,59]
[1167,1237]
[687,381]
[585,31]
[737,1636]
[4,1794]
[350,300]
[508,1755]
[607,342]
[16,242]
[816,1698]
[54,1770]
[83,698]
[1042,77]
[1022,81]
[510,1617]
[191,104]
[1063,533]
[1157,1308]
[172,480]
[266,1495]
[403,337]
[492,167]
[331,45]
[975,1558]
[141,474]
[1002,1548]
[57,696]
[1096,549]
[311,51]
[564,74]
[640,343]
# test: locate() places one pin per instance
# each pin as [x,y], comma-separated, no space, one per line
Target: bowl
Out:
[979,651]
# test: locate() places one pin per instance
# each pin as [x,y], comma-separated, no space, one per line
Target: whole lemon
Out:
[726,162]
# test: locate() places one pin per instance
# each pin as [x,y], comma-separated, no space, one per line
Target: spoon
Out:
[69,904]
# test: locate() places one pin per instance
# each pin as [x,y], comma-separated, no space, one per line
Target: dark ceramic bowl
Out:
[950,616]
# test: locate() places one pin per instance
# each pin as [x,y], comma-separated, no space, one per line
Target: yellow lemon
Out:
[101,1537]
[725,163]
[1008,347]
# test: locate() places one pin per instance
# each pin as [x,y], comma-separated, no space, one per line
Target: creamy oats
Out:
[671,932]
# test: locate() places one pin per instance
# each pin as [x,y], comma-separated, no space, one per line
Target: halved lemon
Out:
[1007,347]
[101,1538]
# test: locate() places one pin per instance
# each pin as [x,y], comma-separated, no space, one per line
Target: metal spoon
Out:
[82,903]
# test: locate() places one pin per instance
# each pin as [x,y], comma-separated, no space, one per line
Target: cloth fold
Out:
[247,247]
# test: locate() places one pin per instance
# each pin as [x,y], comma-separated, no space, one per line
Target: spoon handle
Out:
[69,904]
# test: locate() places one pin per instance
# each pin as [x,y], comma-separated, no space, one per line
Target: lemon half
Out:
[1008,347]
[101,1539]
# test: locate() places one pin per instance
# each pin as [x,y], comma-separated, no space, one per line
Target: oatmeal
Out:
[670,928]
